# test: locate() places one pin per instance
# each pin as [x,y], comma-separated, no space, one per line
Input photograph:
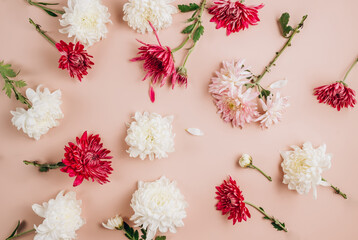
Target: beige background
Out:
[113,91]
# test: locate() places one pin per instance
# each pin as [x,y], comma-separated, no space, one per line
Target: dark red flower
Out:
[74,58]
[231,200]
[182,77]
[338,95]
[233,15]
[84,160]
[158,63]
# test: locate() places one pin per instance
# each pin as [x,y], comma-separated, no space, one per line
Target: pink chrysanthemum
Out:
[273,108]
[237,106]
[338,95]
[234,15]
[158,63]
[74,58]
[231,201]
[84,160]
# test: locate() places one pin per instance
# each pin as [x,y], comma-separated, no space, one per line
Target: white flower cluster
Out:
[85,20]
[62,217]
[150,135]
[138,12]
[42,116]
[158,205]
[303,167]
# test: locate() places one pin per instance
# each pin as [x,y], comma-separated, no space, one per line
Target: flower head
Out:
[158,63]
[234,15]
[338,95]
[182,77]
[232,75]
[85,20]
[62,217]
[74,58]
[303,167]
[231,201]
[245,160]
[150,135]
[273,108]
[114,223]
[238,106]
[42,116]
[84,160]
[158,205]
[138,12]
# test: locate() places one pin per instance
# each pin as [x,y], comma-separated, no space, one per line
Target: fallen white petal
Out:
[279,84]
[194,131]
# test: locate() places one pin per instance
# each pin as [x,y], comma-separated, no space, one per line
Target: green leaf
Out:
[161,238]
[277,226]
[45,4]
[188,8]
[144,233]
[198,33]
[7,71]
[188,29]
[286,29]
[265,93]
[50,13]
[136,235]
[20,83]
[191,19]
[8,89]
[15,230]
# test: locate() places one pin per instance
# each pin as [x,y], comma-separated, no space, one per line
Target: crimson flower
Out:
[338,95]
[74,58]
[182,76]
[158,63]
[231,200]
[84,160]
[234,15]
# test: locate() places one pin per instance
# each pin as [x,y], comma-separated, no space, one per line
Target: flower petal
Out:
[279,84]
[195,131]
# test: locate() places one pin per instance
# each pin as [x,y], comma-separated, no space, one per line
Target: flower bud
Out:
[245,160]
[114,223]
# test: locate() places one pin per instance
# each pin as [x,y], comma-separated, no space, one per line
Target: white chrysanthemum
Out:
[42,116]
[138,12]
[62,217]
[114,223]
[303,167]
[232,75]
[273,108]
[150,135]
[158,205]
[245,160]
[85,20]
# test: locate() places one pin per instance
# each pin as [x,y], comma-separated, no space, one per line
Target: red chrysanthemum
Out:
[182,77]
[338,95]
[158,63]
[74,58]
[84,160]
[231,200]
[233,15]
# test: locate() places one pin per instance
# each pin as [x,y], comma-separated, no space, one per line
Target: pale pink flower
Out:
[232,75]
[273,108]
[237,106]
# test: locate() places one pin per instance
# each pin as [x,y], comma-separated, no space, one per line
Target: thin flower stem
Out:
[45,8]
[350,69]
[258,169]
[46,166]
[155,32]
[38,28]
[278,54]
[336,190]
[182,44]
[266,215]
[188,54]
[20,234]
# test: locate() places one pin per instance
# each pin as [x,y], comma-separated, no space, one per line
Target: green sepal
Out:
[265,93]
[52,14]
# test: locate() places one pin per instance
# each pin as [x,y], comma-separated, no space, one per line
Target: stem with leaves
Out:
[349,70]
[14,235]
[10,85]
[279,226]
[132,234]
[258,169]
[336,190]
[49,11]
[46,166]
[42,32]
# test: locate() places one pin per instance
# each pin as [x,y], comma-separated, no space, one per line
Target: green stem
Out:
[278,54]
[46,166]
[336,190]
[181,45]
[20,234]
[45,8]
[350,69]
[267,216]
[258,169]
[38,28]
